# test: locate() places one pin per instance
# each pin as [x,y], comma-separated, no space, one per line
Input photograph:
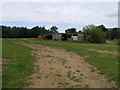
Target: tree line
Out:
[92,33]
[24,32]
[97,34]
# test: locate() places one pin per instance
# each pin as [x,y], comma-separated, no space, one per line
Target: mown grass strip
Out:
[19,65]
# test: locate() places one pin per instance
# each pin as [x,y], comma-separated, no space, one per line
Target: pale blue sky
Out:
[62,14]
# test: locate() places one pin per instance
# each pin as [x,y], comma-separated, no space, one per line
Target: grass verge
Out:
[18,64]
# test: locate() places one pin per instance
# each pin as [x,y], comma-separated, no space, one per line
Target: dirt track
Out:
[58,68]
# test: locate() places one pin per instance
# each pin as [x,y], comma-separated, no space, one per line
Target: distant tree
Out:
[98,36]
[94,34]
[54,29]
[23,32]
[79,31]
[6,31]
[35,31]
[43,30]
[15,32]
[103,28]
[88,29]
[0,31]
[71,30]
[114,33]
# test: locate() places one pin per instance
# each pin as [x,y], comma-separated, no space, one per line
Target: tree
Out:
[79,31]
[23,32]
[102,27]
[114,33]
[70,30]
[88,29]
[15,32]
[35,31]
[94,34]
[98,36]
[54,29]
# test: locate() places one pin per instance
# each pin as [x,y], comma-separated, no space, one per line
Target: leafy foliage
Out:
[23,32]
[98,36]
[103,28]
[113,33]
[54,29]
[94,34]
[71,30]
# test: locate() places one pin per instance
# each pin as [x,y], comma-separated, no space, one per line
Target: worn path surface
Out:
[56,68]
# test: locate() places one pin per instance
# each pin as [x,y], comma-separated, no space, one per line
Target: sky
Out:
[63,14]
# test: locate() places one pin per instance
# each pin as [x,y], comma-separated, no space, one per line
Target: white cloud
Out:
[59,0]
[112,13]
[62,13]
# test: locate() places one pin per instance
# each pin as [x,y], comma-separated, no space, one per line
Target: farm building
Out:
[74,38]
[63,36]
[80,37]
[57,36]
[41,36]
[49,36]
[68,36]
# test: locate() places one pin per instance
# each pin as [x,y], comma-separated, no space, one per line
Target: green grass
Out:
[0,61]
[0,47]
[19,64]
[106,63]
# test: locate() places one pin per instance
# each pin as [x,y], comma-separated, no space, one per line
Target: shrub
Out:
[98,36]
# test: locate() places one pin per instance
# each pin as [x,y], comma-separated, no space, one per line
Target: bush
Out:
[94,34]
[98,36]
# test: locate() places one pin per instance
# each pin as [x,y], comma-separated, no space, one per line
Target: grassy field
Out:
[0,47]
[0,63]
[18,64]
[101,56]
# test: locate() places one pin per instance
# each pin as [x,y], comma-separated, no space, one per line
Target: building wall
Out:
[81,37]
[57,36]
[60,36]
[75,38]
[41,36]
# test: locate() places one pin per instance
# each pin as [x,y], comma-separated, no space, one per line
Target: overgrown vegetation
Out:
[19,64]
[92,33]
[24,32]
[107,63]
